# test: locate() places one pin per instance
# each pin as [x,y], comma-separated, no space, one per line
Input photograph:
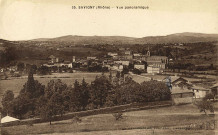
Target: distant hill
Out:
[179,38]
[186,37]
[91,39]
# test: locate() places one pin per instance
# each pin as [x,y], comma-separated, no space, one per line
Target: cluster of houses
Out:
[115,61]
[155,64]
[55,61]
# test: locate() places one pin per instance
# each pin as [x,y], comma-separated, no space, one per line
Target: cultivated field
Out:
[150,121]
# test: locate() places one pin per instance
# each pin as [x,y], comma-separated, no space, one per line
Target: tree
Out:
[20,66]
[131,66]
[67,103]
[136,71]
[54,86]
[52,102]
[84,94]
[56,104]
[45,109]
[205,105]
[154,90]
[30,84]
[76,97]
[209,96]
[7,99]
[43,70]
[125,94]
[8,55]
[99,91]
[125,71]
[33,87]
[110,77]
[118,74]
[23,106]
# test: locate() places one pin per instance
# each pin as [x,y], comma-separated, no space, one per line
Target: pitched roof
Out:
[174,79]
[177,90]
[51,57]
[215,85]
[199,88]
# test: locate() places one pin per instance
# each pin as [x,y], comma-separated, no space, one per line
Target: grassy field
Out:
[135,122]
[144,132]
[16,84]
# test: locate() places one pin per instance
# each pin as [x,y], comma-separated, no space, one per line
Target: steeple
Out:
[148,52]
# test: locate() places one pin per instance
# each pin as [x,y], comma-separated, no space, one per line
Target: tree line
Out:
[58,98]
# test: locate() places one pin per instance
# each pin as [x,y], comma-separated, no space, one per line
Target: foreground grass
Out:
[145,132]
[143,120]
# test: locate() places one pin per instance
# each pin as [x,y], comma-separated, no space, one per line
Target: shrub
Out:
[76,119]
[4,132]
[209,96]
[118,115]
[205,105]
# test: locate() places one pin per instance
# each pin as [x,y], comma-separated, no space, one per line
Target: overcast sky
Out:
[30,19]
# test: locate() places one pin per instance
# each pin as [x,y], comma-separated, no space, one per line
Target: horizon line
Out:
[109,36]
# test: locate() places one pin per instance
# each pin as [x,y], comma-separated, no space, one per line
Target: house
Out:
[143,57]
[157,61]
[117,67]
[91,58]
[153,70]
[181,95]
[112,54]
[200,92]
[68,64]
[137,56]
[121,49]
[139,66]
[127,57]
[127,52]
[53,59]
[180,82]
[125,63]
[49,64]
[12,68]
[2,70]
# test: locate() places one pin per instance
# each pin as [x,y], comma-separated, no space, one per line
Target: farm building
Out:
[180,82]
[200,92]
[181,95]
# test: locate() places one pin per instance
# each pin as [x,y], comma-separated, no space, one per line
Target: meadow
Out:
[158,121]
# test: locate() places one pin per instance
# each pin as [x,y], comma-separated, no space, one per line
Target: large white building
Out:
[152,69]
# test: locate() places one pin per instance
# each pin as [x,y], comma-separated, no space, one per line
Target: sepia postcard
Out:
[109,67]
